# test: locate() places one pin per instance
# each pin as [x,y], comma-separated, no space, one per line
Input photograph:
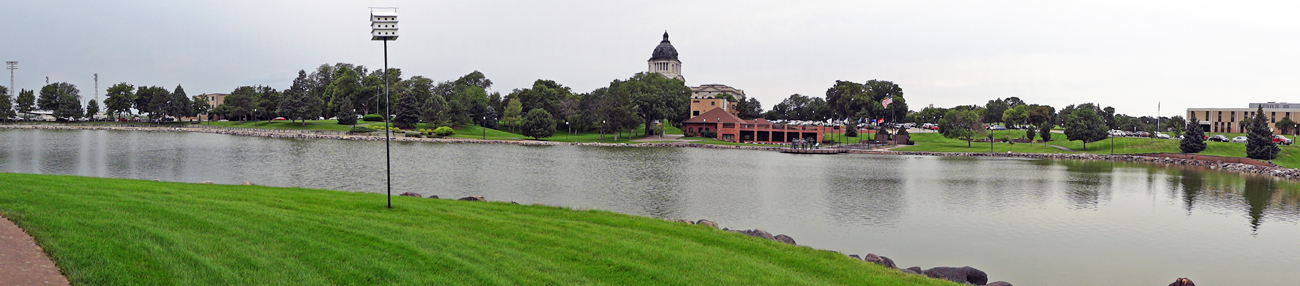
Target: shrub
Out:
[708,134]
[373,117]
[910,142]
[1005,139]
[361,129]
[828,141]
[850,130]
[444,131]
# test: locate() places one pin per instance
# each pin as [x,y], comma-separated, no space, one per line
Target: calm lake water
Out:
[1029,222]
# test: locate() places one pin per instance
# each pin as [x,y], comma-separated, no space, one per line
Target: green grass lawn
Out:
[133,232]
[935,142]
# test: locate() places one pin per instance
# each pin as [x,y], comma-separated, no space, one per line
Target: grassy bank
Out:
[131,232]
[935,142]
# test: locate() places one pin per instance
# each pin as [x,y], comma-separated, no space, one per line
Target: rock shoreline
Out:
[1272,171]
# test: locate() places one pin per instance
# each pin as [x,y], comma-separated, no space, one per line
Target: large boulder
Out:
[759,233]
[474,199]
[877,259]
[1182,282]
[433,196]
[915,269]
[784,238]
[999,283]
[965,274]
[410,194]
[713,224]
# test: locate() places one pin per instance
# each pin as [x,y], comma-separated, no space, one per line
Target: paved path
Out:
[22,262]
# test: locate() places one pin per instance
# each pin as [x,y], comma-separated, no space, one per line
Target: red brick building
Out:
[733,129]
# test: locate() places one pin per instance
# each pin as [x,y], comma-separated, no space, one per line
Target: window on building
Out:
[1272,117]
[695,113]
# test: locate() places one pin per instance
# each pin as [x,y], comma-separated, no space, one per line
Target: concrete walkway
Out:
[22,262]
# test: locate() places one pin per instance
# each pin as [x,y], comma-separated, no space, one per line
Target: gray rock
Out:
[964,274]
[713,224]
[410,194]
[915,269]
[855,256]
[247,184]
[474,199]
[784,238]
[999,283]
[207,182]
[759,233]
[433,196]
[884,261]
[1182,282]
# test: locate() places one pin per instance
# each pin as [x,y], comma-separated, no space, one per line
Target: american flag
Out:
[887,101]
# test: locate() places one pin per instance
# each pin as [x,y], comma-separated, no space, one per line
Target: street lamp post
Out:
[484,126]
[383,27]
[566,134]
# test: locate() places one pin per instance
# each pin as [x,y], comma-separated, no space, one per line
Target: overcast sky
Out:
[1123,54]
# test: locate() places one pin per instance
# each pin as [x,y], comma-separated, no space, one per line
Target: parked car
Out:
[1116,133]
[1218,138]
[996,127]
[1281,140]
[1239,139]
[1162,135]
[278,118]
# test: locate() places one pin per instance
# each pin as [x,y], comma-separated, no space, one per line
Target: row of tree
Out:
[63,100]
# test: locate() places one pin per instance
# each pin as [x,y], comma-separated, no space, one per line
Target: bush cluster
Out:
[708,134]
[444,131]
[373,117]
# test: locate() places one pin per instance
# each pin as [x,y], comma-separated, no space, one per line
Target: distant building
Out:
[704,98]
[1226,120]
[214,99]
[664,60]
[730,128]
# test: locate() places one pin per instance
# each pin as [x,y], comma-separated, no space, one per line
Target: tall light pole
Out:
[11,65]
[383,27]
[96,87]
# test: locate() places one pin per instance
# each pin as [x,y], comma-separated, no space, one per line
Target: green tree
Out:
[140,101]
[538,124]
[1259,141]
[994,109]
[1194,139]
[1030,133]
[961,124]
[63,99]
[750,108]
[408,112]
[655,97]
[240,102]
[298,103]
[179,105]
[201,106]
[92,108]
[1286,125]
[1085,125]
[347,115]
[513,115]
[1016,115]
[846,99]
[26,102]
[69,106]
[1045,131]
[1174,125]
[119,99]
[159,103]
[435,111]
[6,106]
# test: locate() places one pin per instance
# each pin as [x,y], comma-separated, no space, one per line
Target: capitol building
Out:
[703,98]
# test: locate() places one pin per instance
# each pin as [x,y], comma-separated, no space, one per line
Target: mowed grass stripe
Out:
[132,232]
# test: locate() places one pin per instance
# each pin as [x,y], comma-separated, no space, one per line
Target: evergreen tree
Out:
[1259,142]
[408,112]
[26,102]
[298,103]
[1194,138]
[538,124]
[92,108]
[490,117]
[1085,125]
[347,115]
[1045,130]
[435,111]
[179,105]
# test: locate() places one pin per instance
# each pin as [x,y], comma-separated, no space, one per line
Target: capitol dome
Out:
[664,51]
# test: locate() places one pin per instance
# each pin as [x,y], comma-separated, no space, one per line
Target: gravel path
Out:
[22,262]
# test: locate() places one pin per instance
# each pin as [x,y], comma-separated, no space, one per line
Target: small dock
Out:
[814,151]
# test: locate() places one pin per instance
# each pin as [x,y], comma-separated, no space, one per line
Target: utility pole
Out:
[11,65]
[96,87]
